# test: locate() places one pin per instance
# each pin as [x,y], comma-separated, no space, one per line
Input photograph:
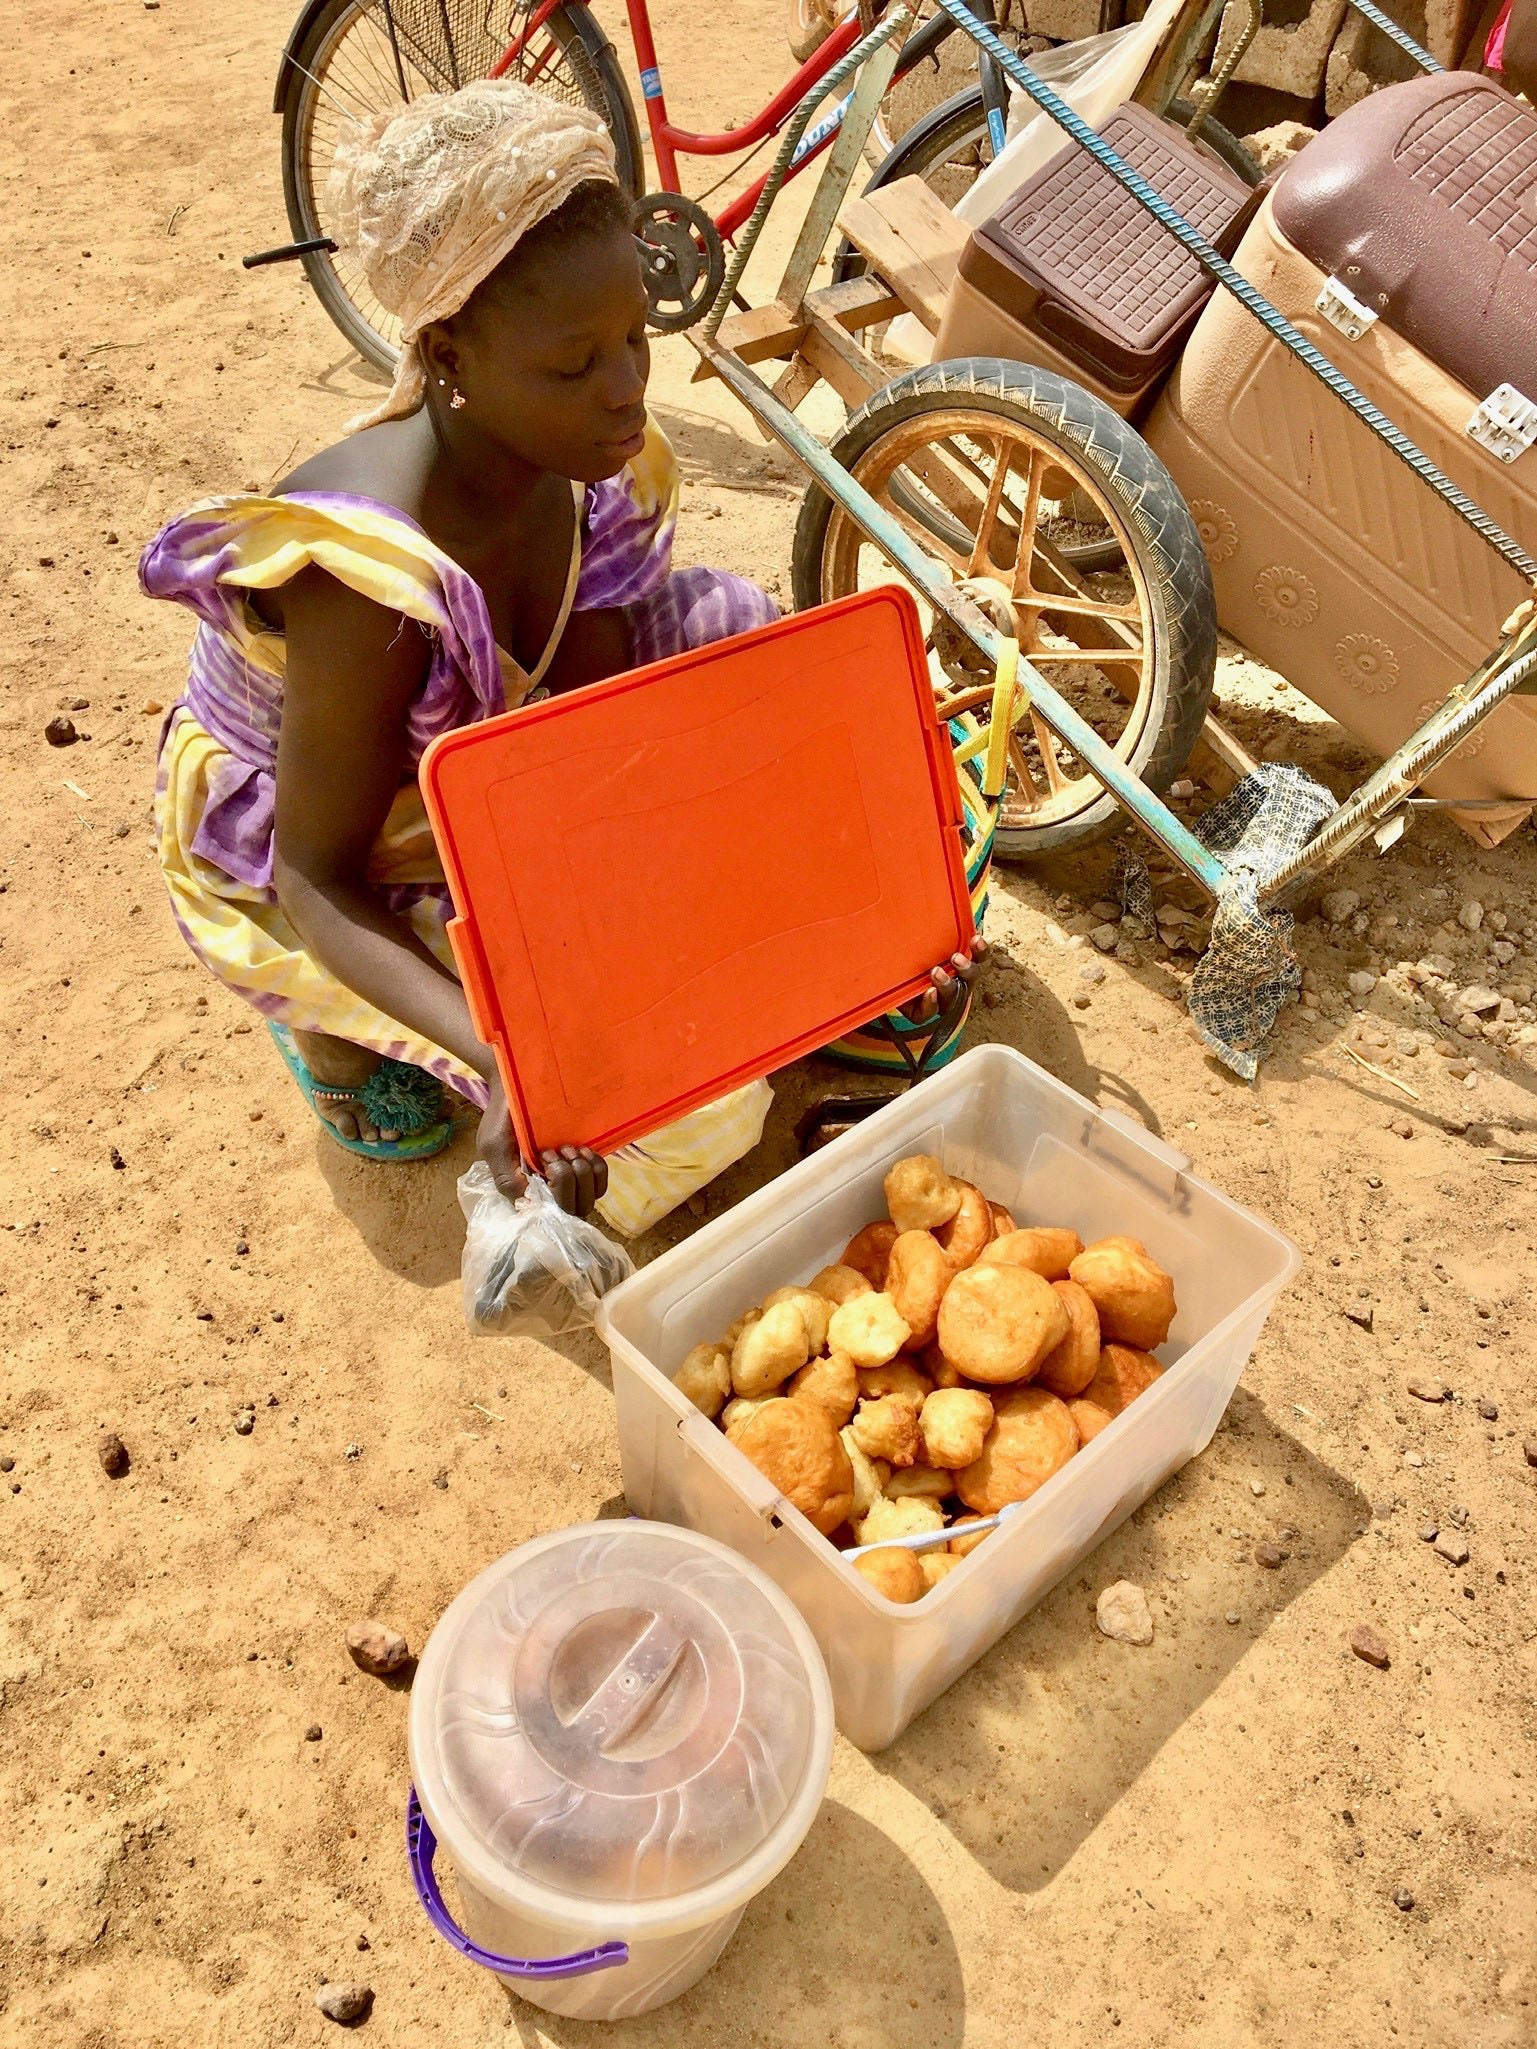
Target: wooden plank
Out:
[775,330]
[851,371]
[1218,760]
[912,240]
[796,382]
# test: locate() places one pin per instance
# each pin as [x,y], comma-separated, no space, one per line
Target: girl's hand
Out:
[497,1143]
[961,967]
[576,1175]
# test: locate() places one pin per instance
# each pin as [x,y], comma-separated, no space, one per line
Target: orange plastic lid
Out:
[673,882]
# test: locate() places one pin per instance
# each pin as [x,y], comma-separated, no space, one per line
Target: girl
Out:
[501,526]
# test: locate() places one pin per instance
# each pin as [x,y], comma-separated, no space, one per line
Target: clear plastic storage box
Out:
[1050,1156]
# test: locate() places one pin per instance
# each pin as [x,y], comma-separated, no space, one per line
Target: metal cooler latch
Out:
[1342,309]
[1505,423]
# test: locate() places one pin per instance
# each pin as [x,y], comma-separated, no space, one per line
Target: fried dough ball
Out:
[815,1311]
[1044,1250]
[1089,1417]
[770,1350]
[705,1377]
[887,1429]
[899,1377]
[1003,1223]
[868,1251]
[917,1276]
[1121,1375]
[934,1565]
[1131,1291]
[869,1329]
[1032,1437]
[953,1426]
[795,1445]
[962,1547]
[911,1518]
[1068,1369]
[923,1483]
[839,1284]
[831,1383]
[870,1477]
[920,1195]
[745,1321]
[997,1323]
[741,1408]
[939,1369]
[896,1573]
[970,1230]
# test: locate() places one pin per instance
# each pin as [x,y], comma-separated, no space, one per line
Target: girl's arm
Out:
[353,671]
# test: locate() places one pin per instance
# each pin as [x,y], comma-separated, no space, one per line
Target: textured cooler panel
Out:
[1086,240]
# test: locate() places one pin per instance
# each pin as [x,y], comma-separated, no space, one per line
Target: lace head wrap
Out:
[432,198]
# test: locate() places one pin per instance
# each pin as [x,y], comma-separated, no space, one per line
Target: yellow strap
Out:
[1001,723]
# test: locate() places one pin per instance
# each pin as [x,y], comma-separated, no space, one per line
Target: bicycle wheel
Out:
[357,60]
[988,444]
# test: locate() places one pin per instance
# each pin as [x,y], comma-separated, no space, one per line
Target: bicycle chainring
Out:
[682,258]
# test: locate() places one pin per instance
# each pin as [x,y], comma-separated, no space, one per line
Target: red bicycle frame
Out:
[668,140]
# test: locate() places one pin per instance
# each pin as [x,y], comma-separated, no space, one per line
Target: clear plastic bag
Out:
[529,1269]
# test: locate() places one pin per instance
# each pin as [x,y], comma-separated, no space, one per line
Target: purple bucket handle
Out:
[421,1848]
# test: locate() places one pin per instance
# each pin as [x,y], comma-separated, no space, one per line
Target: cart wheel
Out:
[968,456]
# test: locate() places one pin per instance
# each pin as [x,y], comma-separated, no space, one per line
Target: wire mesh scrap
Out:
[1249,970]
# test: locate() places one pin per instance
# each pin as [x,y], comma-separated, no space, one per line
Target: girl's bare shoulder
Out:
[386,463]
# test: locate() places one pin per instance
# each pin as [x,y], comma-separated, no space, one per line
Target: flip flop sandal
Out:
[395,1097]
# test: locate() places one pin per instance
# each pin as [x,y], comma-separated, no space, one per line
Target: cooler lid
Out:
[673,882]
[621,1711]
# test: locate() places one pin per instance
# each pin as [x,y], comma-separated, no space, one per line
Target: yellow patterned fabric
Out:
[215,788]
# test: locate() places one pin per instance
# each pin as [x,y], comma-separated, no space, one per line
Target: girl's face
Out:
[553,360]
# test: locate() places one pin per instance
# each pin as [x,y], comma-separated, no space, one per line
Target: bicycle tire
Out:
[372,84]
[1151,512]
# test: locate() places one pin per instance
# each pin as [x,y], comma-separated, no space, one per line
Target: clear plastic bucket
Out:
[619,1734]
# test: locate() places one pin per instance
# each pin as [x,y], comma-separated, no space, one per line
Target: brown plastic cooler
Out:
[1403,244]
[1074,275]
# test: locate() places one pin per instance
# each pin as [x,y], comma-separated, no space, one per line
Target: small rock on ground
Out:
[1123,1615]
[1429,1390]
[1428,1533]
[377,1649]
[60,732]
[313,1733]
[113,1454]
[1361,1313]
[1271,1556]
[1489,1412]
[245,1422]
[1529,1451]
[344,2002]
[1453,1549]
[1369,1647]
[1403,1899]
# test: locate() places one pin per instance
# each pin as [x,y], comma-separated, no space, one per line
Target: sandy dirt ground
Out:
[1196,1842]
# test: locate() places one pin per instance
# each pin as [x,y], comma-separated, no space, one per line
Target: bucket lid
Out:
[619,1712]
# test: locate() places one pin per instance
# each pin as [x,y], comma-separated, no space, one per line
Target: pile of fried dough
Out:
[946,1366]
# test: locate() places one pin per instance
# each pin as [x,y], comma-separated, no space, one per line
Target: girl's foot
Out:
[340,1067]
[383,1109]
